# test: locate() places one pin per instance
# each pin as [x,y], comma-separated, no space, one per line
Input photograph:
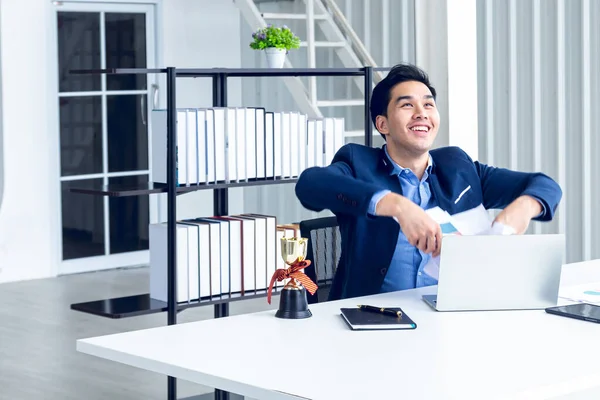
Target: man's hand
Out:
[519,213]
[418,227]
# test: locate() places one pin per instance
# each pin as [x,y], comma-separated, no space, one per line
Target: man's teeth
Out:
[420,128]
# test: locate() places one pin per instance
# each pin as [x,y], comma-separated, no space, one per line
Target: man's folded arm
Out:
[335,187]
[371,211]
[502,186]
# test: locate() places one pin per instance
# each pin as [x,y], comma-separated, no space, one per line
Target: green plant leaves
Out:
[272,36]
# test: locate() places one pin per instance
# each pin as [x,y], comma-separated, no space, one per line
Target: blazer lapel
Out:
[389,229]
[387,168]
[444,191]
[440,197]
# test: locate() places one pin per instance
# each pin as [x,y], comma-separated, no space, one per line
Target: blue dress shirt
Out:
[406,268]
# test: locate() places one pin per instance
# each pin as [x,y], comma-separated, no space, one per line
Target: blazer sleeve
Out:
[501,186]
[336,187]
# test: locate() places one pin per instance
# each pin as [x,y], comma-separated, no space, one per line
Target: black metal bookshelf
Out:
[154,188]
[142,304]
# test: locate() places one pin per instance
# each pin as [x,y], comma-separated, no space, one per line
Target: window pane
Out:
[78,48]
[125,48]
[82,221]
[129,218]
[127,118]
[80,135]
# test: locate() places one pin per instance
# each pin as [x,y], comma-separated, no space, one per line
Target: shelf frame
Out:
[155,188]
[142,304]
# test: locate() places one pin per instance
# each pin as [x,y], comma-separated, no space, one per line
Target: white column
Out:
[385,33]
[587,127]
[452,66]
[514,89]
[561,106]
[310,39]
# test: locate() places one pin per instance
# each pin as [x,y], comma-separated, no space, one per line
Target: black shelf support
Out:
[221,206]
[171,211]
[171,193]
[368,123]
[221,310]
[220,198]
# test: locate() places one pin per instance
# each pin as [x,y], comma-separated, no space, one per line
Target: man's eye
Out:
[429,105]
[406,105]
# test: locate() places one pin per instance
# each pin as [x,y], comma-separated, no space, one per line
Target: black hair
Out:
[381,96]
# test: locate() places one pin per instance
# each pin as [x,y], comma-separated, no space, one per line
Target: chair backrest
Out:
[324,251]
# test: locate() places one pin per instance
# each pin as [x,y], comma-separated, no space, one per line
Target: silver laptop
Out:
[495,272]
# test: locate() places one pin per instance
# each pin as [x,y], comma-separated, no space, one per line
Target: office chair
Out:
[324,250]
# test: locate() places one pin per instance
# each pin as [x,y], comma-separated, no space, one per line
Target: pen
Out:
[381,310]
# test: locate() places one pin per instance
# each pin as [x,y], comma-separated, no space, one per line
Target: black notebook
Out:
[358,319]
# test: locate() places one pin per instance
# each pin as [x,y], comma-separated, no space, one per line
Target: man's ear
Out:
[381,124]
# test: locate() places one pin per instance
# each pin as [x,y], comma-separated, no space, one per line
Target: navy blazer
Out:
[357,172]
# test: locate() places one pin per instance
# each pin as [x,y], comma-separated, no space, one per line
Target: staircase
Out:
[338,34]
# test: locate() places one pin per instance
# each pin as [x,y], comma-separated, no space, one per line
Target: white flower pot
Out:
[275,57]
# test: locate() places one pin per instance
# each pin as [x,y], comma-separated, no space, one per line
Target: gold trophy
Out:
[292,302]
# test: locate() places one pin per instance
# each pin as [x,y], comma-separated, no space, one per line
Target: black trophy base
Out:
[293,304]
[293,314]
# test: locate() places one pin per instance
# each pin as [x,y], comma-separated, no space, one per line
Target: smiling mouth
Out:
[420,129]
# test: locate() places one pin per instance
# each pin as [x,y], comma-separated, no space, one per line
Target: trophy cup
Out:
[292,302]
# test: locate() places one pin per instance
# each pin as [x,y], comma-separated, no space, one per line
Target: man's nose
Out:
[420,113]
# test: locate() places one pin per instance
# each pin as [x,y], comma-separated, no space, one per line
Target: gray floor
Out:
[38,331]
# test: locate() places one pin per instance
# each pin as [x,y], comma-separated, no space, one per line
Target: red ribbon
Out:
[293,272]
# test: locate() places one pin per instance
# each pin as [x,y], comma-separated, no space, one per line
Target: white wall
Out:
[28,212]
[194,33]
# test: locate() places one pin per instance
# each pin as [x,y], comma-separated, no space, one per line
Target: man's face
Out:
[412,118]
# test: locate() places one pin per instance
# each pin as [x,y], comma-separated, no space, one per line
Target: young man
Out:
[380,195]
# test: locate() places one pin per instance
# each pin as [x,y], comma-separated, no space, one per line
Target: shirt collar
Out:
[397,169]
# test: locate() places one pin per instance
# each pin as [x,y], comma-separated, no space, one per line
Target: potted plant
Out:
[276,42]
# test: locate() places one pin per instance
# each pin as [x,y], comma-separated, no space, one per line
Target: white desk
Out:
[462,355]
